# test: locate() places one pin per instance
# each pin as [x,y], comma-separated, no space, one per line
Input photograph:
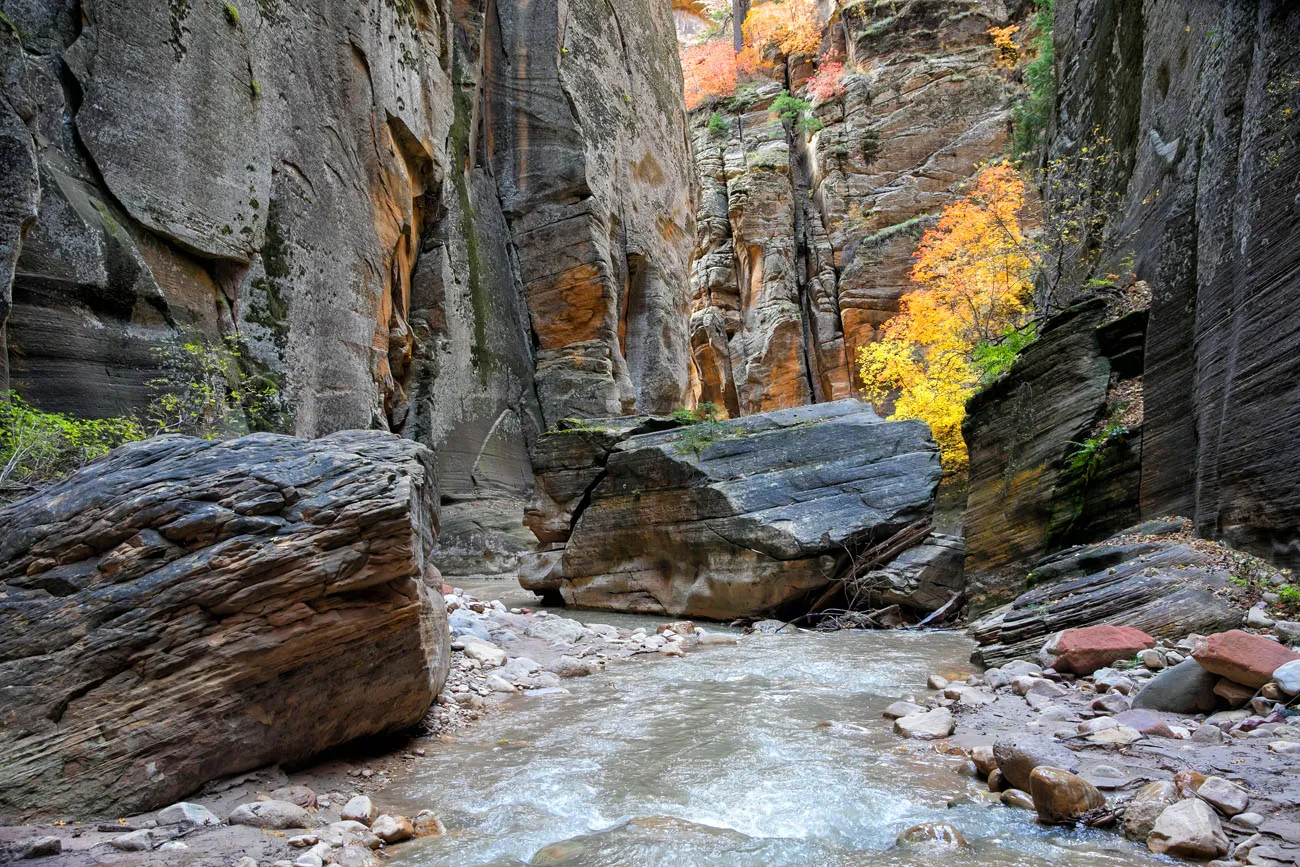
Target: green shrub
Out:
[1030,116]
[207,389]
[232,14]
[705,412]
[37,448]
[1091,453]
[995,358]
[717,124]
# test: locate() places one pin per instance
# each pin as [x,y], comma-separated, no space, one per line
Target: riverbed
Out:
[771,752]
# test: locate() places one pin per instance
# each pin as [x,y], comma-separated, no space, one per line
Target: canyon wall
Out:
[460,221]
[804,243]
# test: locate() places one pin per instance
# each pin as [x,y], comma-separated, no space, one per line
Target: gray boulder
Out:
[1017,759]
[177,611]
[923,577]
[1186,688]
[272,815]
[735,518]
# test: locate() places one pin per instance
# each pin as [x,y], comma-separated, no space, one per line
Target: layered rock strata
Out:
[183,609]
[1198,104]
[803,243]
[736,518]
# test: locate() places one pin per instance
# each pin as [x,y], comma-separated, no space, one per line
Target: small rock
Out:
[497,683]
[717,638]
[1257,618]
[300,795]
[1234,694]
[1249,821]
[355,856]
[997,781]
[484,651]
[927,725]
[392,829]
[936,834]
[273,815]
[1152,659]
[571,666]
[1111,702]
[1207,734]
[1019,668]
[172,846]
[1084,650]
[1146,722]
[1120,735]
[136,841]
[1097,724]
[901,709]
[35,847]
[1047,689]
[1018,799]
[426,824]
[681,627]
[983,758]
[1141,812]
[359,809]
[303,841]
[1287,677]
[1188,829]
[1225,796]
[772,627]
[1018,758]
[1284,748]
[1061,797]
[1187,782]
[937,682]
[187,815]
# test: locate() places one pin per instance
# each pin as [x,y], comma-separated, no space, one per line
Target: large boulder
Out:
[1242,657]
[184,609]
[923,578]
[734,518]
[1083,651]
[1018,758]
[1060,797]
[1188,829]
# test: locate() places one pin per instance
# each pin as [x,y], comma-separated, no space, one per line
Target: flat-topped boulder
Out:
[734,518]
[181,610]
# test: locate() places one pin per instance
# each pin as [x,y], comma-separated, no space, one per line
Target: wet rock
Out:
[303,841]
[1018,758]
[1145,807]
[928,725]
[1186,688]
[135,841]
[392,829]
[426,824]
[355,856]
[184,568]
[922,578]
[1188,829]
[1061,797]
[497,683]
[997,781]
[1241,657]
[901,709]
[557,631]
[984,760]
[1111,702]
[715,639]
[519,668]
[271,815]
[1018,799]
[571,666]
[929,834]
[359,809]
[771,627]
[1083,651]
[187,815]
[937,681]
[1188,782]
[1225,796]
[680,627]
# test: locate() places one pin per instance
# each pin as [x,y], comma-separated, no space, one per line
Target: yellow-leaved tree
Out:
[966,321]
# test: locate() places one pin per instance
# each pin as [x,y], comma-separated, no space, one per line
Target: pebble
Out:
[359,809]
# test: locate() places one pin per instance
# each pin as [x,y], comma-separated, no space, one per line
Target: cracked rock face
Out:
[735,518]
[183,610]
[803,243]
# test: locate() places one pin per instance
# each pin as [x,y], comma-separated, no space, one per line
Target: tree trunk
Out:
[739,9]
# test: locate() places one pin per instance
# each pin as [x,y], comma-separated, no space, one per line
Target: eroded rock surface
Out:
[185,609]
[736,518]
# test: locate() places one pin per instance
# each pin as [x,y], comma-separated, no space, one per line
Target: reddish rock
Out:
[1233,693]
[1145,721]
[1241,657]
[1083,651]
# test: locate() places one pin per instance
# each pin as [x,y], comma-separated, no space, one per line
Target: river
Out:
[724,758]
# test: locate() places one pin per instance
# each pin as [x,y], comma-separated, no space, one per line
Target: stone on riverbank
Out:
[1082,651]
[1188,829]
[271,815]
[177,611]
[932,834]
[1061,797]
[187,815]
[359,809]
[928,725]
[1225,796]
[1242,657]
[1017,759]
[736,518]
[1145,807]
[1187,688]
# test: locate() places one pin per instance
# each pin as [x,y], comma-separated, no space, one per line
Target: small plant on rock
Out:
[232,14]
[717,125]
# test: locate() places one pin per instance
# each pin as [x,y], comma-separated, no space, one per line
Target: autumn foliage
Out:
[787,27]
[827,81]
[709,72]
[976,279]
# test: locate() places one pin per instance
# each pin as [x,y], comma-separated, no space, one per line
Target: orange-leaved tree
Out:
[976,272]
[708,72]
[787,27]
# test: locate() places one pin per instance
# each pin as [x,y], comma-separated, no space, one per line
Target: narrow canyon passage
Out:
[725,758]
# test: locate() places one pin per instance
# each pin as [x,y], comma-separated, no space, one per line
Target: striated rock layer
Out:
[183,609]
[1198,102]
[736,518]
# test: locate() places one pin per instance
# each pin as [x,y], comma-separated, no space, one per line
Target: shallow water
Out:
[720,759]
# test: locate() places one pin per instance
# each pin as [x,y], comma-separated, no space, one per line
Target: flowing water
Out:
[722,758]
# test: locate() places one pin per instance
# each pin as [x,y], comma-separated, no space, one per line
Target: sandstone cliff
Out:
[459,222]
[804,244]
